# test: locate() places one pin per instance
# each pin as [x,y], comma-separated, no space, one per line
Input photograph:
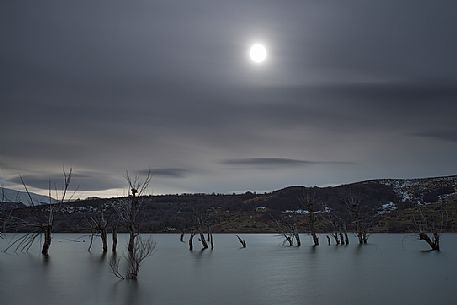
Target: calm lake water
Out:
[392,269]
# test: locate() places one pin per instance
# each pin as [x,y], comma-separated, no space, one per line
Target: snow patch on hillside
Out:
[387,208]
[415,190]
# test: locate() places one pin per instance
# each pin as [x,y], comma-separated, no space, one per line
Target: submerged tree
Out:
[201,224]
[309,202]
[191,239]
[430,222]
[129,210]
[360,218]
[287,228]
[114,228]
[337,225]
[99,226]
[242,241]
[42,222]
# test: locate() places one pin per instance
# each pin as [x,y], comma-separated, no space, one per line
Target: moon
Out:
[257,53]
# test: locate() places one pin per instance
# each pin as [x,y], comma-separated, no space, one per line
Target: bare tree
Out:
[287,228]
[202,222]
[129,209]
[128,212]
[141,250]
[360,219]
[41,225]
[309,202]
[99,226]
[335,222]
[430,222]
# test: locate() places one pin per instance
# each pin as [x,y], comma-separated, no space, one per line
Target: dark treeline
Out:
[248,212]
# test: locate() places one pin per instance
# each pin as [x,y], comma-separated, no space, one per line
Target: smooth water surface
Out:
[392,269]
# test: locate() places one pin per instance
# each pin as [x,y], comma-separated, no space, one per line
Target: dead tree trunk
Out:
[132,221]
[297,238]
[328,239]
[47,230]
[242,241]
[103,236]
[315,239]
[191,245]
[47,239]
[114,234]
[433,242]
[362,236]
[335,236]
[289,240]
[346,238]
[359,236]
[203,241]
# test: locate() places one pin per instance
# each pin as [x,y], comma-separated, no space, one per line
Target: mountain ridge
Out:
[14,196]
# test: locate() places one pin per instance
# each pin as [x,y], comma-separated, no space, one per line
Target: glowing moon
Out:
[257,53]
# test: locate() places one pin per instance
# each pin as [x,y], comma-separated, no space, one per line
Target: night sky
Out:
[350,90]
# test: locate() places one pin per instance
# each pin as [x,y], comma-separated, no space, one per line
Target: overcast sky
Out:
[350,90]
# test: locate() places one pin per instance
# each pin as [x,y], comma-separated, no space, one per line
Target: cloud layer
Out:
[105,87]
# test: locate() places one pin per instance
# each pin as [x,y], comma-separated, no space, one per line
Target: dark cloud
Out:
[444,135]
[89,181]
[166,172]
[275,162]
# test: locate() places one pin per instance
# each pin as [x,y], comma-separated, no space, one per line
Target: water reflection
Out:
[99,258]
[125,292]
[133,293]
[46,260]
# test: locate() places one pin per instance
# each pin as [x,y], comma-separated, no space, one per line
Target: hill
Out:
[9,195]
[389,203]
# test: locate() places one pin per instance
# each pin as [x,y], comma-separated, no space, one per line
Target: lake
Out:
[391,269]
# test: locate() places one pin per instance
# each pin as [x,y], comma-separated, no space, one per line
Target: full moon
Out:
[257,53]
